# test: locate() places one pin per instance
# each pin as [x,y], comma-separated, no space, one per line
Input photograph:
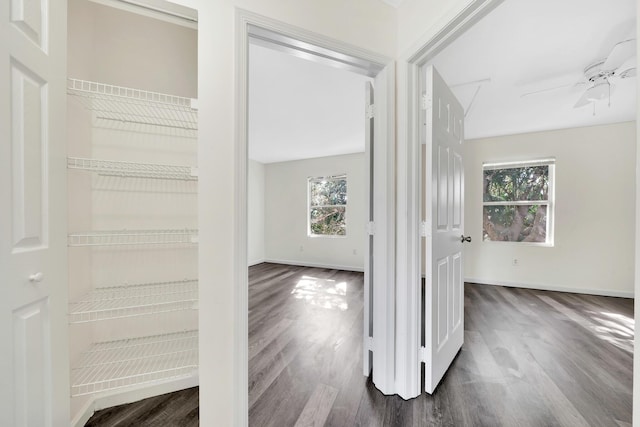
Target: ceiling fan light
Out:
[598,91]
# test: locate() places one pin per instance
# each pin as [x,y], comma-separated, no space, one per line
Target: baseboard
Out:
[252,263]
[600,292]
[129,395]
[314,264]
[84,414]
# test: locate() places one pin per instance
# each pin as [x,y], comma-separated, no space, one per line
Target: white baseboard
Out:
[120,397]
[315,264]
[252,263]
[601,292]
[83,415]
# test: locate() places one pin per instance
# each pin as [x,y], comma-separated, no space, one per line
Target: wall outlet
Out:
[355,252]
[301,248]
[515,262]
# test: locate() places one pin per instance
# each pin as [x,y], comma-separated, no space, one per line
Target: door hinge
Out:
[423,229]
[426,101]
[371,111]
[369,343]
[423,354]
[371,228]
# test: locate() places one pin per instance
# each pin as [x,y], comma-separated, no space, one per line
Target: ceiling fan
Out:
[601,75]
[619,64]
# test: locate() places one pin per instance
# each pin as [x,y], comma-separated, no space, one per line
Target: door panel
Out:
[28,16]
[32,356]
[33,253]
[28,110]
[443,200]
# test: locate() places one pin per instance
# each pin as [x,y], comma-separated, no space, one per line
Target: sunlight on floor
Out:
[323,293]
[615,328]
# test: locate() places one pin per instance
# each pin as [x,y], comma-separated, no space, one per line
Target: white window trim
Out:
[310,180]
[551,162]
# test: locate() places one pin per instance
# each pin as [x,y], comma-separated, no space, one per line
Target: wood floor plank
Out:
[530,359]
[317,409]
[259,342]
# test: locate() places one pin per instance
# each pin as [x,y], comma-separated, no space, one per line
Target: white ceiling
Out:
[394,3]
[530,45]
[300,109]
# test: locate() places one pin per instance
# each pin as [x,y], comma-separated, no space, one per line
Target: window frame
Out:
[550,203]
[310,180]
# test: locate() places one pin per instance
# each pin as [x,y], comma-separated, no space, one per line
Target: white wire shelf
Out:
[133,170]
[134,300]
[133,237]
[117,364]
[135,106]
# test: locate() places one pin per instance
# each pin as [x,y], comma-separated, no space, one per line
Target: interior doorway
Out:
[361,178]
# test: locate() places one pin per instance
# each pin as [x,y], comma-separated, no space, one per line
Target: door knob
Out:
[36,278]
[465,239]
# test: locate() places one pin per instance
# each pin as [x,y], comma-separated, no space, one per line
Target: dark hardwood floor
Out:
[530,358]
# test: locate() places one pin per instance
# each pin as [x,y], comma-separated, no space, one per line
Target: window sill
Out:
[543,245]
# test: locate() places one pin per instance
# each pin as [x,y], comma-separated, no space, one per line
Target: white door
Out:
[379,304]
[444,226]
[368,261]
[34,364]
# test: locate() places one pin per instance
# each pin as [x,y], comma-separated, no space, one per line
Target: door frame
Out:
[295,38]
[410,86]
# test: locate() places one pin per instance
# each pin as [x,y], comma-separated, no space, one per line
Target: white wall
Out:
[127,49]
[256,213]
[594,212]
[286,212]
[418,20]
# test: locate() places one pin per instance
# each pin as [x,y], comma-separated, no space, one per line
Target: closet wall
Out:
[119,48]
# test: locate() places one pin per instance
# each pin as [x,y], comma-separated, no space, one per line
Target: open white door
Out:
[368,261]
[379,289]
[443,193]
[34,364]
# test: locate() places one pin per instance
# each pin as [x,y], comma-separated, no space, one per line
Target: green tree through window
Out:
[517,202]
[328,206]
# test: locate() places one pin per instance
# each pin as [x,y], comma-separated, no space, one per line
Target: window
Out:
[518,202]
[328,206]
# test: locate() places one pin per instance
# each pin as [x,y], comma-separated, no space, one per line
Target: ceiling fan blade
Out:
[627,69]
[582,101]
[628,73]
[619,54]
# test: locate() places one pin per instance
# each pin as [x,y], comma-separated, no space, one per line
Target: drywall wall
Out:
[418,20]
[255,213]
[593,250]
[127,49]
[286,213]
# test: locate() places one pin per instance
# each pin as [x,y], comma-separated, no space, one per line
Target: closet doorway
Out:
[132,224]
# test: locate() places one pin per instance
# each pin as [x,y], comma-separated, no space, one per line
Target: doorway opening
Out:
[296,217]
[133,197]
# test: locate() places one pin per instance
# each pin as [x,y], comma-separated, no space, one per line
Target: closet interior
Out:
[133,192]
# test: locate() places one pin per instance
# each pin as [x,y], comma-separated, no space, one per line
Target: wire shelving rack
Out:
[133,169]
[113,365]
[133,237]
[135,106]
[134,300]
